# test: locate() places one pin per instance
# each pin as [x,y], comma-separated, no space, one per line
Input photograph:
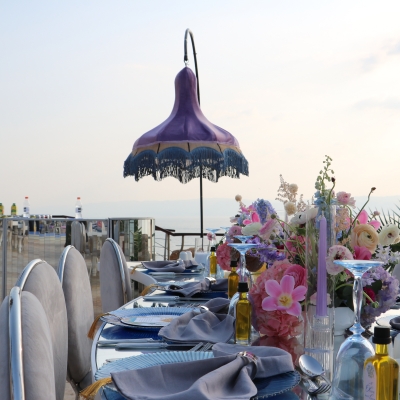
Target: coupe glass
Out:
[348,377]
[243,238]
[243,272]
[214,237]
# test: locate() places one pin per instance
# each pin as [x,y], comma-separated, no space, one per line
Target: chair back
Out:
[26,353]
[78,236]
[74,279]
[40,279]
[115,284]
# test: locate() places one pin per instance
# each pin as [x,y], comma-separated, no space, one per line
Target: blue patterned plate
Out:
[267,387]
[122,317]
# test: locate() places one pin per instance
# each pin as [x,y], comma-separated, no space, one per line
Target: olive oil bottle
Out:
[213,263]
[233,280]
[243,316]
[381,372]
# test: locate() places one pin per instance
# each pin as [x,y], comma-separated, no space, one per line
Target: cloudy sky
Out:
[291,80]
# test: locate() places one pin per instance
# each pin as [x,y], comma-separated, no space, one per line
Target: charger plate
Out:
[267,387]
[127,317]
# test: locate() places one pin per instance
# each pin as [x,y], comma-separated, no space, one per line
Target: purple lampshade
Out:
[186,143]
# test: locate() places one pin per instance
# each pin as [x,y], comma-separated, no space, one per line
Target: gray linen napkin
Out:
[199,326]
[221,378]
[163,266]
[204,285]
[218,305]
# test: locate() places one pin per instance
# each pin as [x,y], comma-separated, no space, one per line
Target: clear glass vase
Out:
[319,316]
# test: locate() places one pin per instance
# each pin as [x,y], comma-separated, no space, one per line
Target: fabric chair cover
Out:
[110,278]
[78,236]
[37,350]
[79,303]
[44,283]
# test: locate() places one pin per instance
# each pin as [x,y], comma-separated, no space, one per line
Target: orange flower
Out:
[365,235]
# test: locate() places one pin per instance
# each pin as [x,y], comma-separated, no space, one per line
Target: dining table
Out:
[109,337]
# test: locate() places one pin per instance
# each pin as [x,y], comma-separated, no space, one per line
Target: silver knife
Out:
[112,343]
[160,345]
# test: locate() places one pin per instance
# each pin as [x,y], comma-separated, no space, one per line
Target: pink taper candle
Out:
[321,277]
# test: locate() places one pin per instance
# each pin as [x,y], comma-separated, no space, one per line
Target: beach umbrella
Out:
[187,145]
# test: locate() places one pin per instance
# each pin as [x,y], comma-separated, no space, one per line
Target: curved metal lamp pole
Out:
[186,60]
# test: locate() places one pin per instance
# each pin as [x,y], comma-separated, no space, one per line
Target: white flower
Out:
[313,299]
[290,208]
[293,188]
[251,229]
[397,240]
[238,197]
[388,234]
[302,216]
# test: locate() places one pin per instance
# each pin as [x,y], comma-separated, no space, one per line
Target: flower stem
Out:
[348,284]
[355,219]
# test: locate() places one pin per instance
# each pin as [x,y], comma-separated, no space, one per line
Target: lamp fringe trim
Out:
[148,288]
[90,392]
[92,329]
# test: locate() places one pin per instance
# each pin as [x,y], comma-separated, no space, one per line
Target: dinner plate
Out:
[127,317]
[268,387]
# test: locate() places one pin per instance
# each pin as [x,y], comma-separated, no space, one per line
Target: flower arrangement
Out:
[354,234]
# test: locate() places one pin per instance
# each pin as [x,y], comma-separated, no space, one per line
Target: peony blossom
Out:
[224,256]
[364,235]
[251,229]
[284,296]
[298,273]
[362,253]
[313,299]
[337,252]
[346,199]
[388,234]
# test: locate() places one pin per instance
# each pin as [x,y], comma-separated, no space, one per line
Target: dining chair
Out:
[143,280]
[40,279]
[26,352]
[75,283]
[78,236]
[115,284]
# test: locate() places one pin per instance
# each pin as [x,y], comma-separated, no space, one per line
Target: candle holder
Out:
[318,311]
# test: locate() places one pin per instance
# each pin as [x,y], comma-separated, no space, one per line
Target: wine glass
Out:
[213,232]
[226,229]
[348,376]
[243,272]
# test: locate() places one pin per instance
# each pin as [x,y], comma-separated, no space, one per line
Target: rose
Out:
[298,273]
[346,199]
[364,235]
[371,294]
[361,253]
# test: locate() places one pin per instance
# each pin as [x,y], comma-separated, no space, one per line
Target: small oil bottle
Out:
[243,316]
[14,209]
[381,372]
[213,263]
[1,209]
[233,280]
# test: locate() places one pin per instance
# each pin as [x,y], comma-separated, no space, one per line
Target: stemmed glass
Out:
[213,232]
[242,248]
[348,376]
[243,238]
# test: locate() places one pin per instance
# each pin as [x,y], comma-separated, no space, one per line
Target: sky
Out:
[293,81]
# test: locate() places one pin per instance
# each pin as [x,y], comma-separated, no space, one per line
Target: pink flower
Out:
[298,273]
[253,218]
[267,229]
[313,299]
[235,230]
[363,219]
[210,236]
[362,253]
[337,252]
[224,256]
[284,296]
[346,199]
[296,243]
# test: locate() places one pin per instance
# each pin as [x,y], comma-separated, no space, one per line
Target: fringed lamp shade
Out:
[186,144]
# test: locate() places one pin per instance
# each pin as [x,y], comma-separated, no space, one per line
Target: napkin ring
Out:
[252,357]
[211,280]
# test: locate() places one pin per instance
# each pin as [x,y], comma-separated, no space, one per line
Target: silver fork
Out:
[322,386]
[197,347]
[207,346]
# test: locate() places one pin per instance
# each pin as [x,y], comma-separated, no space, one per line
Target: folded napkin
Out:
[199,326]
[218,305]
[191,288]
[168,266]
[226,377]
